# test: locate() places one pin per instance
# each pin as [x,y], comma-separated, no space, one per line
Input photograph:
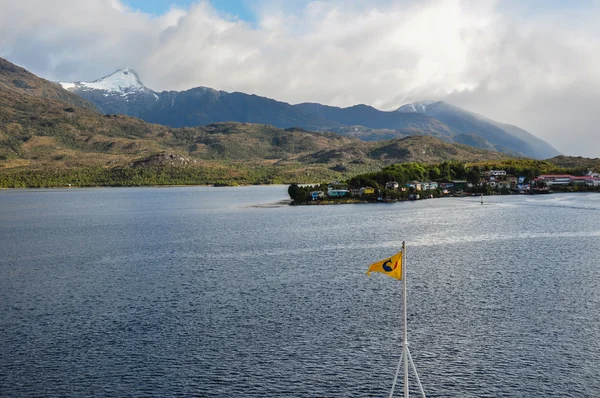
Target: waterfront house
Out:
[459,185]
[586,180]
[391,185]
[495,173]
[503,184]
[337,193]
[415,184]
[367,191]
[555,179]
[317,195]
[566,179]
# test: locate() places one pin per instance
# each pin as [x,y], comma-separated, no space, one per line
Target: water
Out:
[197,292]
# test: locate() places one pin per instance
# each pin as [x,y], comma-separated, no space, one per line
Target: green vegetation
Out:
[221,173]
[453,170]
[447,171]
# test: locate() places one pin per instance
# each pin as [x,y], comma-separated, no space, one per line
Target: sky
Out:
[532,64]
[239,9]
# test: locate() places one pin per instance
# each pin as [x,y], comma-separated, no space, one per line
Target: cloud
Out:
[518,65]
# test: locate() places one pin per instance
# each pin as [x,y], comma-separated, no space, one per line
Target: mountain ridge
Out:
[460,119]
[42,139]
[203,105]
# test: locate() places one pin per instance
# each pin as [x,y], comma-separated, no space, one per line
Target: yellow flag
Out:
[390,266]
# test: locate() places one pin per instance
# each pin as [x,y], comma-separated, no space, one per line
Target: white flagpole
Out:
[405,356]
[395,378]
[416,374]
[405,342]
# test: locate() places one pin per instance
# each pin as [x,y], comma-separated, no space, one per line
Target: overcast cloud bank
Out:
[535,68]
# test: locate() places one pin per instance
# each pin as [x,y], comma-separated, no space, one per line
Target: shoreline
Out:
[359,201]
[145,186]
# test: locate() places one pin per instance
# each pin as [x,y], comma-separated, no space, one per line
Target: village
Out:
[489,182]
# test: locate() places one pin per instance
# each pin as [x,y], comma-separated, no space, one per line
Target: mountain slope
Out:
[123,92]
[17,80]
[499,134]
[42,137]
[119,93]
[422,149]
[363,115]
[586,164]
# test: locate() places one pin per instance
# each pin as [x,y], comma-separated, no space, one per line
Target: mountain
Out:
[363,115]
[49,137]
[501,136]
[14,79]
[421,149]
[473,140]
[123,92]
[586,164]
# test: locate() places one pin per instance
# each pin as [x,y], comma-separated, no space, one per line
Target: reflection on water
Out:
[220,292]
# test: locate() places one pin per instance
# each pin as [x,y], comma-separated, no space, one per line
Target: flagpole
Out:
[405,342]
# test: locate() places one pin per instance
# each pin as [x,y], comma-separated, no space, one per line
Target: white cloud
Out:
[537,71]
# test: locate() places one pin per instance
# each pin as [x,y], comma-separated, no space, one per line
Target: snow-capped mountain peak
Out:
[420,107]
[123,82]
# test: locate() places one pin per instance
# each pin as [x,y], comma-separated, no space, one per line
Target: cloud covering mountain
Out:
[530,65]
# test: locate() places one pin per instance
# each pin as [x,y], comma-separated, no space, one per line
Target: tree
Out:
[473,177]
[293,191]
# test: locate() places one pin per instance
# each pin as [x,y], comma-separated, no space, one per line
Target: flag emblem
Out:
[390,266]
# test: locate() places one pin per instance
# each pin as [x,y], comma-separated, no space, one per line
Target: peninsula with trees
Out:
[414,181]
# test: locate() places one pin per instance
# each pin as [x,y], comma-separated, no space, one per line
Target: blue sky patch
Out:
[237,8]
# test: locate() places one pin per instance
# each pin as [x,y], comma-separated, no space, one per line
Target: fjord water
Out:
[197,292]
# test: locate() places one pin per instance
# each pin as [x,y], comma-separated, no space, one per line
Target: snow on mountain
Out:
[67,85]
[420,107]
[123,82]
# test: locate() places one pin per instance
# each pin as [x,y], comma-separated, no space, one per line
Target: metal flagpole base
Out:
[416,374]
[396,377]
[421,390]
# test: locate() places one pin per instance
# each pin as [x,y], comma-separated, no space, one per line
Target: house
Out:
[317,195]
[567,179]
[415,184]
[391,185]
[503,184]
[355,191]
[555,179]
[337,193]
[459,185]
[586,180]
[432,185]
[512,180]
[367,191]
[495,173]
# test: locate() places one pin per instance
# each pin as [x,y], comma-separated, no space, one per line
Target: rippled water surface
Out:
[198,292]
